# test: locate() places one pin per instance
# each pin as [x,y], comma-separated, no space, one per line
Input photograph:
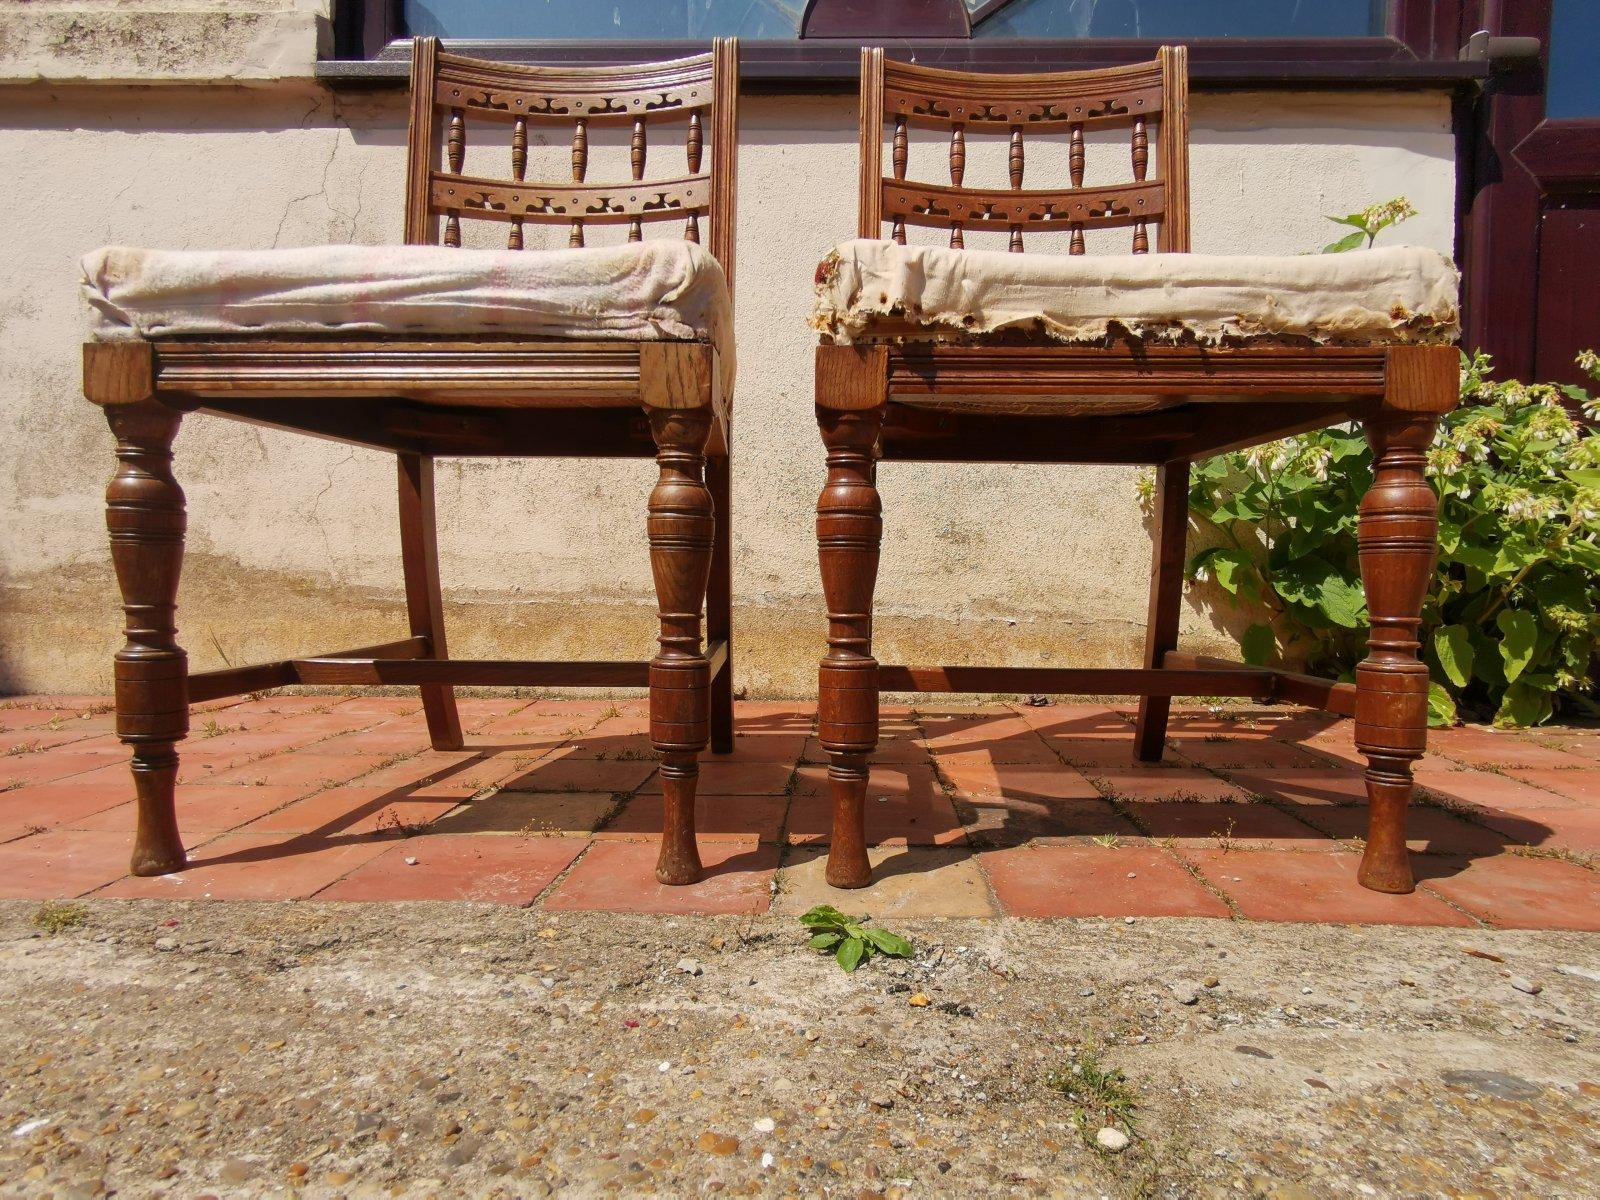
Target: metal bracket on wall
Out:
[1502,53]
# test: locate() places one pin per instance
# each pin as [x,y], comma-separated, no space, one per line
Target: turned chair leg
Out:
[1166,600]
[145,517]
[419,556]
[719,603]
[682,531]
[849,531]
[1397,535]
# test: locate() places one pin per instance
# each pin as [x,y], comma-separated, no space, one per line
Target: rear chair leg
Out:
[419,556]
[719,603]
[681,529]
[849,531]
[145,516]
[1166,600]
[1397,535]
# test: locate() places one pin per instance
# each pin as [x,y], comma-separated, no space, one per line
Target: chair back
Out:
[1140,97]
[447,90]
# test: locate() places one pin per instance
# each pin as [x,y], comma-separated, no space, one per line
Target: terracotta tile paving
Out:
[1428,830]
[62,863]
[1517,892]
[1582,787]
[459,867]
[1089,881]
[719,777]
[1269,885]
[1321,786]
[351,808]
[48,805]
[257,866]
[621,877]
[1012,820]
[1576,829]
[716,818]
[1227,751]
[905,806]
[202,809]
[536,814]
[971,811]
[1257,826]
[1178,783]
[303,768]
[1488,791]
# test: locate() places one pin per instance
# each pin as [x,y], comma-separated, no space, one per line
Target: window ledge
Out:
[264,42]
[827,65]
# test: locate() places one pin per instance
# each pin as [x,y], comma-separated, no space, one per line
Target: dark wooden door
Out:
[1532,237]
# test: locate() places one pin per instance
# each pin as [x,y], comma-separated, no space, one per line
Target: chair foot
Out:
[679,861]
[157,845]
[847,851]
[1386,862]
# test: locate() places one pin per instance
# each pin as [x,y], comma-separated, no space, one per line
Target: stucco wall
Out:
[292,543]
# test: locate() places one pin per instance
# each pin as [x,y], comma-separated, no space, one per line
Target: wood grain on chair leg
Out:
[849,531]
[419,555]
[850,387]
[1166,600]
[719,602]
[681,535]
[146,520]
[1398,539]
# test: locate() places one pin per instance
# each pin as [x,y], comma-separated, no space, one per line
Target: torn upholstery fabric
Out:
[869,289]
[639,291]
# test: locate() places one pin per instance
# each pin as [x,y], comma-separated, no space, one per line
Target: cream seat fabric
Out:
[868,289]
[653,290]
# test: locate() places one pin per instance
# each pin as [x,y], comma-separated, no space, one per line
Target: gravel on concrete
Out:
[235,1049]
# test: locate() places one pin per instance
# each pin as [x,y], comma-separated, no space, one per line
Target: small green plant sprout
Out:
[57,916]
[1369,223]
[1107,841]
[1101,1096]
[849,939]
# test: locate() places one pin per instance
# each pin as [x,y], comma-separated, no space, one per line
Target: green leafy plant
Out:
[1509,630]
[1369,223]
[1100,1095]
[850,939]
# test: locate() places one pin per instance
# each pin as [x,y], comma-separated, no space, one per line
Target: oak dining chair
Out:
[944,354]
[421,351]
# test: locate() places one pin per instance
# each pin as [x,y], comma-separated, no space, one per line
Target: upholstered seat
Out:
[870,290]
[637,291]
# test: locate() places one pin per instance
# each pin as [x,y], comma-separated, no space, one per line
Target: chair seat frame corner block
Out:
[911,400]
[424,397]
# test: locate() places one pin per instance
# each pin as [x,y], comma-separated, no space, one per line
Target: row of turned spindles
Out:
[638,150]
[1015,161]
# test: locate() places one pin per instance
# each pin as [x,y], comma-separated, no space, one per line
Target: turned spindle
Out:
[519,172]
[580,168]
[1014,164]
[958,168]
[455,150]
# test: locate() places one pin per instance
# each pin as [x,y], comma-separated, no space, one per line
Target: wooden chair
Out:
[912,399]
[420,397]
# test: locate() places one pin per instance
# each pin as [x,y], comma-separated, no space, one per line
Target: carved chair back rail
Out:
[477,393]
[1149,100]
[452,95]
[897,394]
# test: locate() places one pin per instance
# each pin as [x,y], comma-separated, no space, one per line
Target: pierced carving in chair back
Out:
[1135,97]
[458,94]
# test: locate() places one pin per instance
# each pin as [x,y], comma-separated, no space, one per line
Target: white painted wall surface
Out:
[292,543]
